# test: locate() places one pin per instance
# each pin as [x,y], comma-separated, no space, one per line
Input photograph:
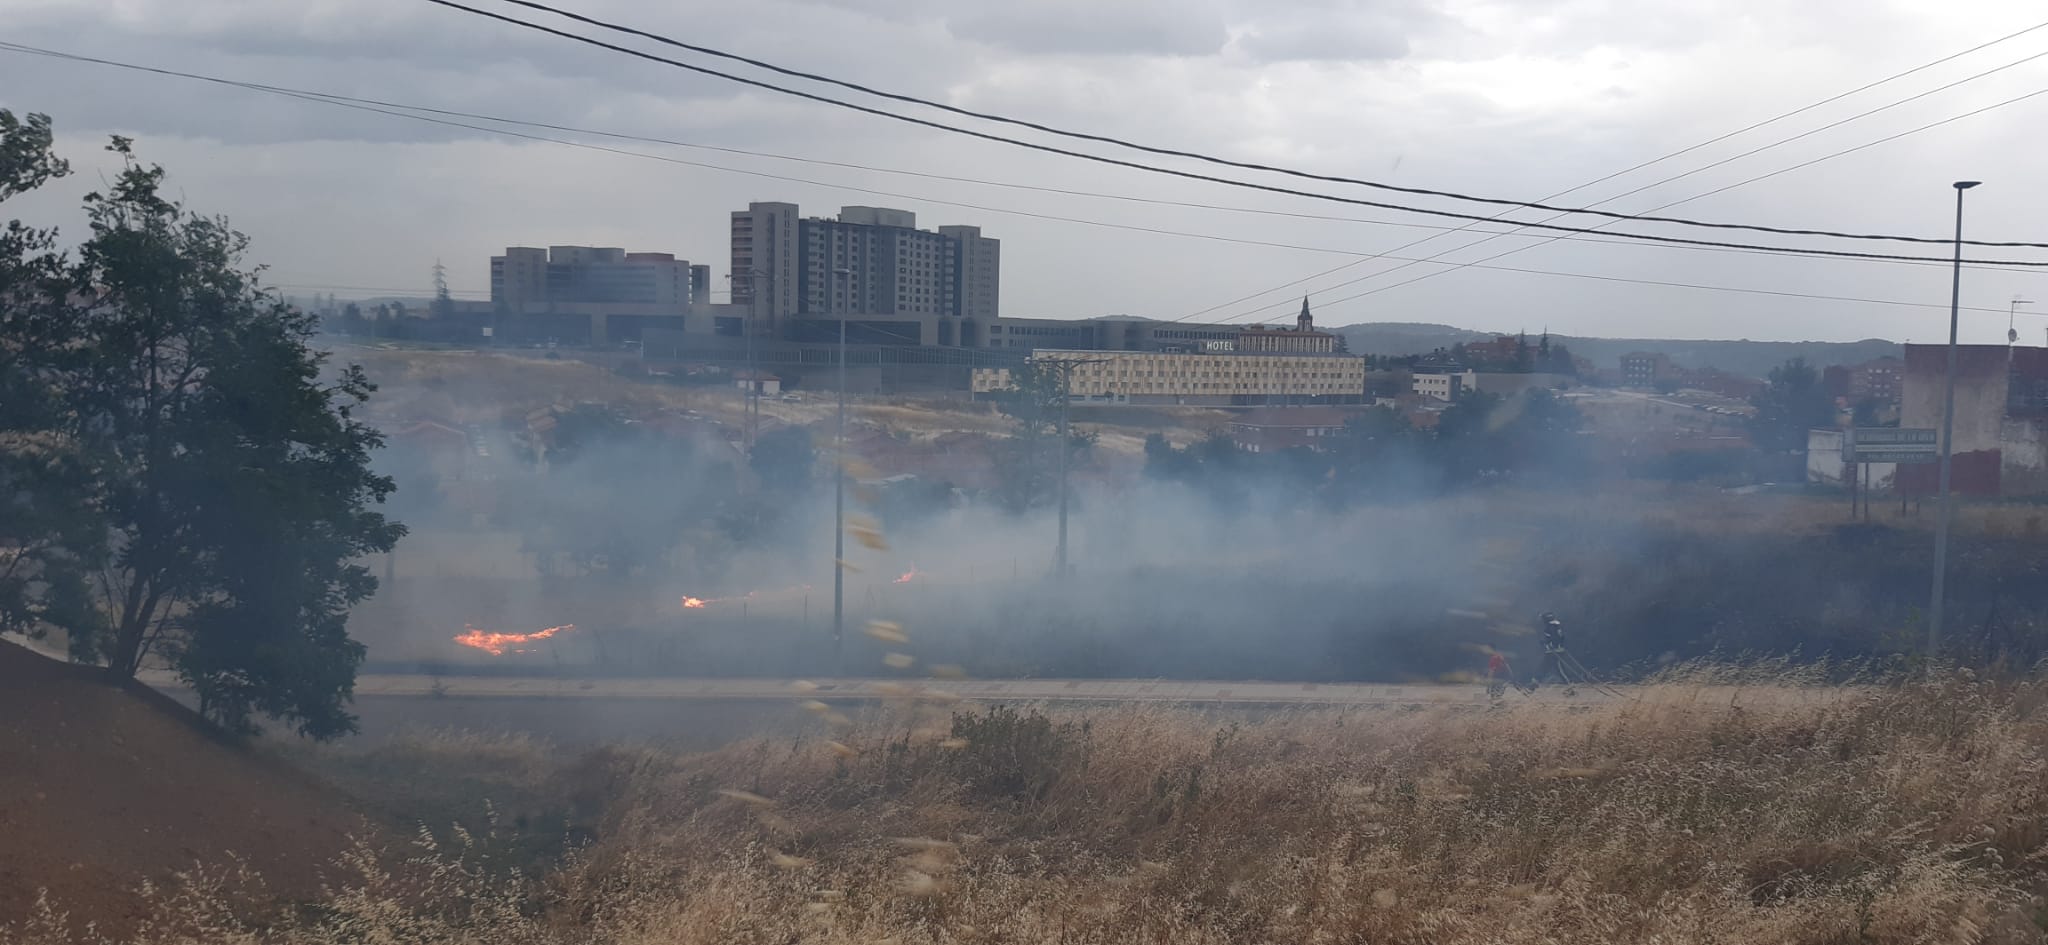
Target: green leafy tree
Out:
[1027,464]
[215,491]
[46,540]
[784,460]
[1535,433]
[1792,404]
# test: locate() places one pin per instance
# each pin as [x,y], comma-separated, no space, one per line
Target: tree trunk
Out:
[126,656]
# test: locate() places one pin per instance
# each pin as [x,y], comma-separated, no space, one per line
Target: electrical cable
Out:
[1661,207]
[1727,187]
[1167,152]
[381,107]
[339,102]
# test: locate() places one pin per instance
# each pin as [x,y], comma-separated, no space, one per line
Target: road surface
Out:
[1099,691]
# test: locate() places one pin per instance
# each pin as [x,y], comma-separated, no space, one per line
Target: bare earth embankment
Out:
[104,788]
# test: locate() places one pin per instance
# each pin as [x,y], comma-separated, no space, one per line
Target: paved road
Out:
[1012,690]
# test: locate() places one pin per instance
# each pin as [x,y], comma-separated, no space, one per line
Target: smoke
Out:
[1394,555]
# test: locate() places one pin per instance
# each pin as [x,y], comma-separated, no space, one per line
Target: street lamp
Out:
[751,413]
[839,495]
[1948,423]
[2012,333]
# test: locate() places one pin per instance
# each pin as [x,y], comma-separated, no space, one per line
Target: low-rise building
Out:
[1878,379]
[1215,379]
[1645,369]
[1270,429]
[762,382]
[2000,440]
[1446,386]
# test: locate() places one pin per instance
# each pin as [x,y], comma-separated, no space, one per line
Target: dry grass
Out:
[479,386]
[1885,815]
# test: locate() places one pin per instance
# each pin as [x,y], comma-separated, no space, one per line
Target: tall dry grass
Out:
[1903,814]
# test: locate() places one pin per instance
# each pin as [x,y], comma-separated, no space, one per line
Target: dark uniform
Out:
[1553,652]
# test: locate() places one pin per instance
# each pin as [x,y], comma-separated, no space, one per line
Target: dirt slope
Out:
[104,786]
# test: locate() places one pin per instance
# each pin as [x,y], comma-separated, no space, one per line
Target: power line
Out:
[319,98]
[1887,80]
[1083,136]
[1190,175]
[1727,187]
[1781,116]
[398,110]
[672,142]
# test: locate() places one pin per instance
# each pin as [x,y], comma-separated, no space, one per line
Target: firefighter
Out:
[1499,676]
[1553,653]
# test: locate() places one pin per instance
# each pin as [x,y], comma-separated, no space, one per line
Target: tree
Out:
[784,459]
[1027,464]
[352,321]
[1792,404]
[1535,433]
[46,540]
[217,491]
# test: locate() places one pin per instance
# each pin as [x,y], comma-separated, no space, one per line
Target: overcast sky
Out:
[1513,98]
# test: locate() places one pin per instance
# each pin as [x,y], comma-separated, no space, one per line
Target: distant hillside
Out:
[1752,358]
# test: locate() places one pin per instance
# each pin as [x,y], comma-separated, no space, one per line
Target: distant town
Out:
[918,312]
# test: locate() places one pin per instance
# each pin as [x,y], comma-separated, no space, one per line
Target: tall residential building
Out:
[526,276]
[766,257]
[979,274]
[866,262]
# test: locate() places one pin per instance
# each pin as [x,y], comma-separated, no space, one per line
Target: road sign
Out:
[1893,445]
[1896,436]
[1895,456]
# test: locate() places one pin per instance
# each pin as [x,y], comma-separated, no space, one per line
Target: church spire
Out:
[1305,321]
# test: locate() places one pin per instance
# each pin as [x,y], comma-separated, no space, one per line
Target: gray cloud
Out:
[1342,31]
[1500,97]
[1092,27]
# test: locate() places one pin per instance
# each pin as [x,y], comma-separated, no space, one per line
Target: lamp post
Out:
[751,413]
[839,496]
[1948,422]
[2012,332]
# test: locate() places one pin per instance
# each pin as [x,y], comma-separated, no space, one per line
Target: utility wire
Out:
[398,110]
[1726,160]
[1117,162]
[1103,139]
[1727,187]
[321,99]
[672,142]
[1887,80]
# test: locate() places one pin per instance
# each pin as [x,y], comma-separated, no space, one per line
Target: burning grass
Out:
[1887,815]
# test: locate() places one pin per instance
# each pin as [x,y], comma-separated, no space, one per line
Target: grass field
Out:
[480,386]
[1904,814]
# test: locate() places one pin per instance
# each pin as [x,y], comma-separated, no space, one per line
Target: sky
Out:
[1517,99]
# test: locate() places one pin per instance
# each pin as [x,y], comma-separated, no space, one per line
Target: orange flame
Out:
[909,575]
[497,643]
[693,603]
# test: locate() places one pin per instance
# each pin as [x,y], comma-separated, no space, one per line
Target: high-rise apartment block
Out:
[864,263]
[527,277]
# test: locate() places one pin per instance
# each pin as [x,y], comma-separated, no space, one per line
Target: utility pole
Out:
[839,500]
[1948,424]
[1064,367]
